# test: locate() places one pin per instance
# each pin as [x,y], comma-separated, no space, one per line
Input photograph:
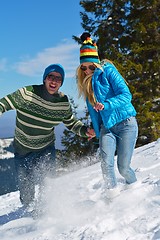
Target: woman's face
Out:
[88,68]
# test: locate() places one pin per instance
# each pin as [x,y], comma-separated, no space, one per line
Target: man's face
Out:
[53,82]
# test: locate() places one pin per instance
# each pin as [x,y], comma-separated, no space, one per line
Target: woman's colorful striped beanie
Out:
[88,50]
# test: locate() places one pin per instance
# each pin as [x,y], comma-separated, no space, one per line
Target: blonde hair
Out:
[84,84]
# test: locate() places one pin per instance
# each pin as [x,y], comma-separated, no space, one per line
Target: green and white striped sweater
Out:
[37,115]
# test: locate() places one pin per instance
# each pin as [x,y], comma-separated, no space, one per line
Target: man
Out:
[39,109]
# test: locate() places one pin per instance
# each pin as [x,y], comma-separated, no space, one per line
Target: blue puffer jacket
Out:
[111,90]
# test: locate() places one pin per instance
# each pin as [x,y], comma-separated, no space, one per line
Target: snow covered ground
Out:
[76,209]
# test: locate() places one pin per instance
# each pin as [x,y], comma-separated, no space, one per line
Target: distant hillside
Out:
[7,124]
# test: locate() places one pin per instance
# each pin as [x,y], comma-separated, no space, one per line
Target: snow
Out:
[76,209]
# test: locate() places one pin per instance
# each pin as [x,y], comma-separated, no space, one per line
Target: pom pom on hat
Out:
[54,68]
[88,50]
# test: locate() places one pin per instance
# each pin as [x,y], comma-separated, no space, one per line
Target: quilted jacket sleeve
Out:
[121,93]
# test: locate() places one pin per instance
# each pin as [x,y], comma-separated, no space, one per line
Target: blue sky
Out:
[34,34]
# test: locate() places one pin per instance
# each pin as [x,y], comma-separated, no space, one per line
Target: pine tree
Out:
[144,45]
[128,33]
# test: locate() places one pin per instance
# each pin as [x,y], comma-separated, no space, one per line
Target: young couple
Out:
[39,108]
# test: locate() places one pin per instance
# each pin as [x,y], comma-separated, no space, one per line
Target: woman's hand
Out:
[98,106]
[90,133]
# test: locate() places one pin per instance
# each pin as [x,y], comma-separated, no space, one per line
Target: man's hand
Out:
[90,133]
[98,106]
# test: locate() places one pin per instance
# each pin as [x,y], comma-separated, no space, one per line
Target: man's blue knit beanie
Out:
[54,68]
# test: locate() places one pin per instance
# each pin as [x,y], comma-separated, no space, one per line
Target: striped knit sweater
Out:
[37,114]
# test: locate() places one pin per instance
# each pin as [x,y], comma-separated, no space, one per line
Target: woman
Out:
[112,114]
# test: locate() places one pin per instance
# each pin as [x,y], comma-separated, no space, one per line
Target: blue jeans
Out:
[32,169]
[121,138]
